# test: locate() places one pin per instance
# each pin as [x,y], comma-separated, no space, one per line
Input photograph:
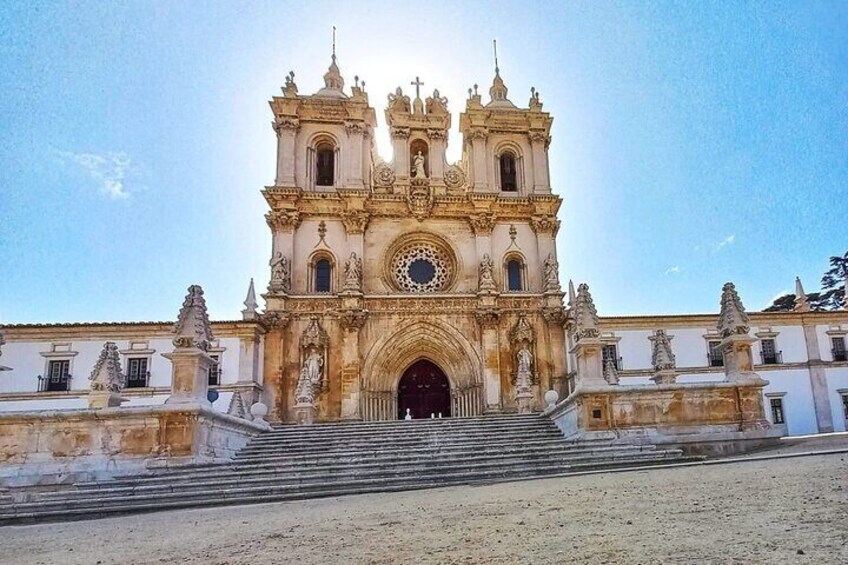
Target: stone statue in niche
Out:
[524,376]
[418,171]
[280,273]
[309,382]
[551,274]
[487,281]
[353,273]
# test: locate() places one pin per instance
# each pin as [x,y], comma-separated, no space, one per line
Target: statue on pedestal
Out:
[353,273]
[280,273]
[487,281]
[418,171]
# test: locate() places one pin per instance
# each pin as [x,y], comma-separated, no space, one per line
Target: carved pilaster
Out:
[487,317]
[283,220]
[437,134]
[355,221]
[482,224]
[353,320]
[275,320]
[400,132]
[352,127]
[545,225]
[285,123]
[553,315]
[478,133]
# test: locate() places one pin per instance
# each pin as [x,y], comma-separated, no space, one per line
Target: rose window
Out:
[421,267]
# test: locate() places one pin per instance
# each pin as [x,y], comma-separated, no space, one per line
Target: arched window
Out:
[325,165]
[509,177]
[323,272]
[514,275]
[320,276]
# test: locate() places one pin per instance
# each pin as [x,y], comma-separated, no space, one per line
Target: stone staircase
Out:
[290,463]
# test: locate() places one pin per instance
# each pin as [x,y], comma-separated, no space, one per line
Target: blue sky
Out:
[693,142]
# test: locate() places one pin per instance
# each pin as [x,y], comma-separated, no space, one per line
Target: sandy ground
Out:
[778,511]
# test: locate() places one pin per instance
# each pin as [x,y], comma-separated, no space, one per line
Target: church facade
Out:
[421,288]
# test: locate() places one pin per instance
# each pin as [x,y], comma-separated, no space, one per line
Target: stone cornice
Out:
[292,202]
[612,323]
[121,330]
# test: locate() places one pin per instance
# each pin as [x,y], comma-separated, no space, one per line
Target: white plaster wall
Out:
[635,349]
[797,403]
[230,361]
[689,346]
[837,379]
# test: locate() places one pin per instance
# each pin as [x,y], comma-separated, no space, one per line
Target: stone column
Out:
[401,152]
[353,177]
[480,159]
[283,224]
[286,128]
[351,321]
[437,155]
[539,142]
[818,378]
[555,316]
[276,389]
[487,318]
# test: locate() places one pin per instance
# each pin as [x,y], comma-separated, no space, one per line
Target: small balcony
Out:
[141,380]
[839,354]
[58,383]
[771,357]
[715,359]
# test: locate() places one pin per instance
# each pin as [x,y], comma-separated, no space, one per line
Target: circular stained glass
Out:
[421,271]
[421,267]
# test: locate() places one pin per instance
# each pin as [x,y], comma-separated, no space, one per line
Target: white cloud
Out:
[673,270]
[726,241]
[109,170]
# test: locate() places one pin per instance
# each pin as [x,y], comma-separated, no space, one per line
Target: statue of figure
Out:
[551,274]
[280,274]
[525,359]
[418,171]
[353,273]
[524,377]
[487,282]
[309,382]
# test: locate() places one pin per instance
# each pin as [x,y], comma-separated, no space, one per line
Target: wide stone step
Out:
[239,476]
[389,457]
[267,493]
[271,438]
[389,454]
[453,423]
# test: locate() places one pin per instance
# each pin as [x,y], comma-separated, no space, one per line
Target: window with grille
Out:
[610,353]
[715,357]
[769,352]
[845,405]
[215,371]
[838,349]
[137,372]
[777,416]
[58,376]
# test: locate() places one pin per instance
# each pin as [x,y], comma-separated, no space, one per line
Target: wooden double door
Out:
[424,390]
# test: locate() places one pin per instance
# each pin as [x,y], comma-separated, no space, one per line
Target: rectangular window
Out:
[215,371]
[58,376]
[610,353]
[845,406]
[838,349]
[715,357]
[137,374]
[769,352]
[777,411]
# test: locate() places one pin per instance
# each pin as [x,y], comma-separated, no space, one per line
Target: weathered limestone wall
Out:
[63,446]
[696,416]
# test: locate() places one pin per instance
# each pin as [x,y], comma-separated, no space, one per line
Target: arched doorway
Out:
[425,390]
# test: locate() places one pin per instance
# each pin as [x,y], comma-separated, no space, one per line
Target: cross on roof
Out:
[417,84]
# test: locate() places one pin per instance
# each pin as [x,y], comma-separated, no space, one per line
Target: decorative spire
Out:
[333,81]
[661,356]
[610,372]
[585,314]
[498,90]
[732,319]
[572,296]
[250,304]
[801,302]
[192,328]
[107,375]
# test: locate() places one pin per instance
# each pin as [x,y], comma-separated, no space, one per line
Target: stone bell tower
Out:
[432,287]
